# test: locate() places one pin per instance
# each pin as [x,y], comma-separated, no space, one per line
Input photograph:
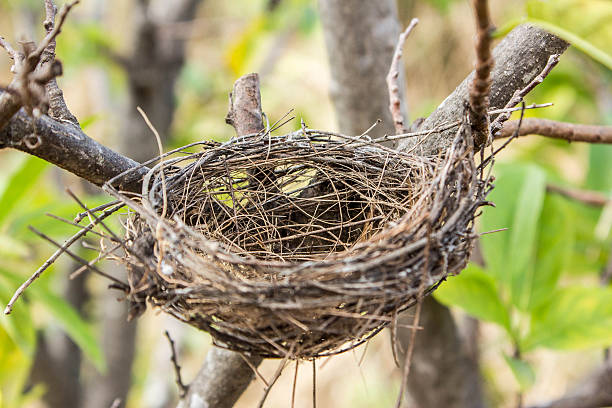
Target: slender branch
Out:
[558,130]
[519,58]
[392,80]
[481,83]
[520,94]
[225,374]
[177,368]
[593,198]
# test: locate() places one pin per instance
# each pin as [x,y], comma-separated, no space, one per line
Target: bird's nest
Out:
[300,245]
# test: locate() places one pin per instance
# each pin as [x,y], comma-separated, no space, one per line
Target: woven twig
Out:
[304,244]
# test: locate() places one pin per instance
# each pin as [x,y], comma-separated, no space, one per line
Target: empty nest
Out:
[300,245]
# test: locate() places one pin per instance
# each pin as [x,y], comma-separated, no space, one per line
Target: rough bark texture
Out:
[360,36]
[66,146]
[225,374]
[152,70]
[444,372]
[360,95]
[519,58]
[221,380]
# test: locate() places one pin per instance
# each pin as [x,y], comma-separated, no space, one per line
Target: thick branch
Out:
[226,374]
[558,130]
[519,58]
[360,37]
[68,147]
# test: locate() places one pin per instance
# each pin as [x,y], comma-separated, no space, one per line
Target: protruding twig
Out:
[177,368]
[588,197]
[271,383]
[56,255]
[33,69]
[392,80]
[519,95]
[481,84]
[558,130]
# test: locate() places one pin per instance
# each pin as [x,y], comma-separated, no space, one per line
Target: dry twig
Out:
[177,368]
[558,130]
[519,95]
[481,84]
[392,80]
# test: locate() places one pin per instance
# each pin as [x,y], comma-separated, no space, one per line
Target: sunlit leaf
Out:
[475,292]
[81,332]
[18,324]
[509,255]
[573,318]
[22,179]
[523,372]
[554,247]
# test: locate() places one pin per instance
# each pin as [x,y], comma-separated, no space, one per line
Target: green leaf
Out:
[474,291]
[573,318]
[600,168]
[18,325]
[22,179]
[509,255]
[554,248]
[78,330]
[72,323]
[523,372]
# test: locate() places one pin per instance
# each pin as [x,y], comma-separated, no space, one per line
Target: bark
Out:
[359,91]
[152,71]
[519,58]
[360,36]
[66,146]
[225,374]
[221,380]
[443,372]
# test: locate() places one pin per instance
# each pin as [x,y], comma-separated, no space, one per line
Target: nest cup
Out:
[300,245]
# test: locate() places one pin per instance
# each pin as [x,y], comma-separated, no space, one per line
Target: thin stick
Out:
[53,258]
[558,130]
[588,197]
[161,153]
[392,80]
[314,384]
[481,84]
[295,375]
[177,368]
[277,374]
[415,324]
[77,258]
[519,95]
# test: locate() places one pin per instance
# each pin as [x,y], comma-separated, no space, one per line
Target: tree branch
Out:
[360,37]
[395,101]
[66,146]
[226,374]
[481,84]
[519,58]
[558,130]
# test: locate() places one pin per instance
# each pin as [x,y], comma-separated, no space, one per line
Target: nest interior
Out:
[299,245]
